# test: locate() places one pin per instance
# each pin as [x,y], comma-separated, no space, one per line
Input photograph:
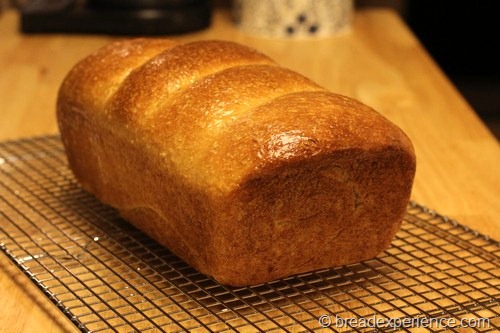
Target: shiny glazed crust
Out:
[248,171]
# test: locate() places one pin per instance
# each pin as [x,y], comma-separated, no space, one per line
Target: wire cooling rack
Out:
[106,276]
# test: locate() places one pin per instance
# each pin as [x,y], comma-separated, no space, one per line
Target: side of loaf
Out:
[246,170]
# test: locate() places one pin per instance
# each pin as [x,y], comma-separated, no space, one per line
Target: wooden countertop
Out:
[380,63]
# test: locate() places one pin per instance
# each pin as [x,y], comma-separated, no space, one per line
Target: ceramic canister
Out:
[293,18]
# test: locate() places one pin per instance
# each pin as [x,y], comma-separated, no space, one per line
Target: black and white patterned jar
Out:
[293,18]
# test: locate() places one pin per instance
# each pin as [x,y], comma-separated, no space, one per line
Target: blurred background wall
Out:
[462,36]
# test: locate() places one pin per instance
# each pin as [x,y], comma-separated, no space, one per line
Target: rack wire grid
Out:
[106,276]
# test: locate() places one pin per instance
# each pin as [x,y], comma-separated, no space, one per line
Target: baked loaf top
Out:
[252,151]
[188,98]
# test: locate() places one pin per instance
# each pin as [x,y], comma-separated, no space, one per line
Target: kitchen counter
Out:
[380,62]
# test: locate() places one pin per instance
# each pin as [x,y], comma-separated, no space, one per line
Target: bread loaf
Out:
[246,170]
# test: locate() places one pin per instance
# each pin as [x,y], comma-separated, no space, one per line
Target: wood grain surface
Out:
[379,62]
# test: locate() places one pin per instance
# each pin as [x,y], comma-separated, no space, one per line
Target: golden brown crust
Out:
[246,170]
